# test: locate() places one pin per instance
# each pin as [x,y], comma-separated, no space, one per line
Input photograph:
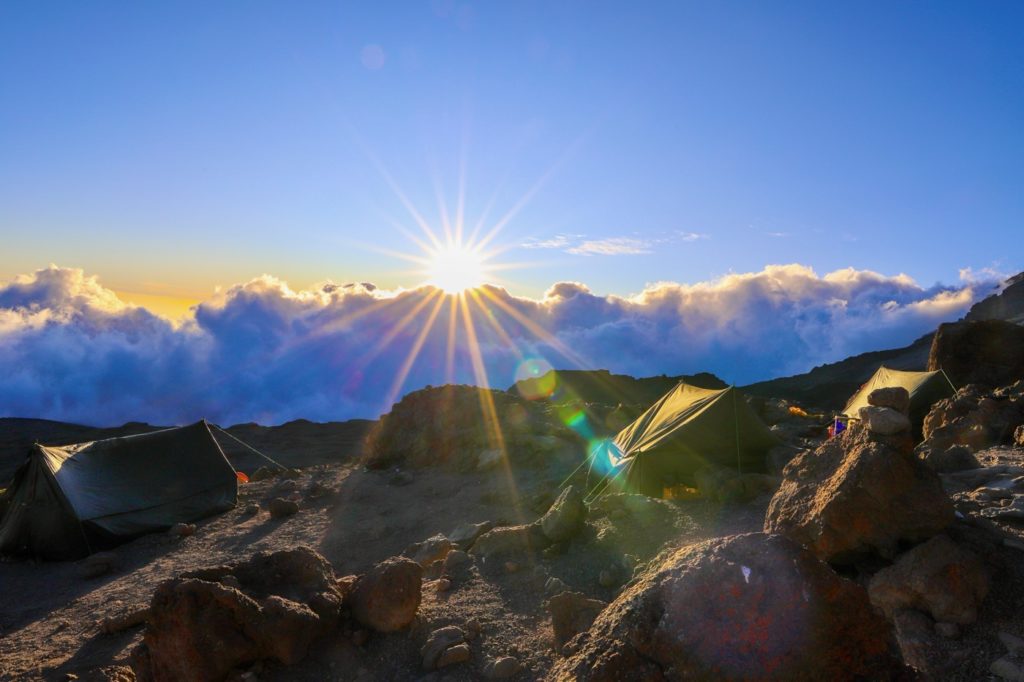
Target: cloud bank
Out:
[71,350]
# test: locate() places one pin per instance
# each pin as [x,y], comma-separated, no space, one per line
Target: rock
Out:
[386,598]
[456,562]
[100,563]
[430,550]
[501,668]
[456,654]
[281,508]
[1013,643]
[566,516]
[286,486]
[896,397]
[884,420]
[510,540]
[858,494]
[263,473]
[571,614]
[1007,669]
[986,352]
[201,630]
[465,535]
[938,577]
[954,458]
[182,530]
[948,630]
[745,607]
[438,642]
[1012,512]
[251,509]
[443,585]
[914,633]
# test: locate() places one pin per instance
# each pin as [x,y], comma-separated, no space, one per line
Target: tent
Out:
[925,389]
[67,501]
[687,429]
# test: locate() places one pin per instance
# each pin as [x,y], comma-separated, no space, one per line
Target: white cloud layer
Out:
[260,351]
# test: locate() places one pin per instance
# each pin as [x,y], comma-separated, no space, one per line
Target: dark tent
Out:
[67,501]
[687,429]
[925,389]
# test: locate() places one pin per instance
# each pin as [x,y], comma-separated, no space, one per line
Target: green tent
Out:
[67,501]
[687,429]
[925,389]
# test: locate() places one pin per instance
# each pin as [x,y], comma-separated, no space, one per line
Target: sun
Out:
[455,267]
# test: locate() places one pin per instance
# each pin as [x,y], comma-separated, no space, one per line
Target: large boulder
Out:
[749,606]
[208,621]
[387,597]
[858,494]
[884,420]
[566,517]
[974,418]
[986,352]
[938,577]
[199,630]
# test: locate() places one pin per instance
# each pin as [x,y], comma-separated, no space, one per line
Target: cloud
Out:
[70,349]
[613,246]
[578,245]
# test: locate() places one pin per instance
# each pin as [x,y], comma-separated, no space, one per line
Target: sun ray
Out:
[536,329]
[449,355]
[410,359]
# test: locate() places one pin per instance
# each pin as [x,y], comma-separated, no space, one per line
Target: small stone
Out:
[99,564]
[456,654]
[948,630]
[1013,643]
[1007,670]
[455,560]
[182,530]
[251,509]
[444,584]
[438,643]
[281,508]
[472,629]
[501,668]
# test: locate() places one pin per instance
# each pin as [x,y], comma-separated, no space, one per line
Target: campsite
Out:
[521,561]
[462,340]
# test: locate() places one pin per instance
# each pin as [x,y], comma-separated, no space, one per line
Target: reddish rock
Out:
[986,352]
[858,494]
[746,607]
[895,397]
[571,614]
[386,598]
[938,577]
[566,517]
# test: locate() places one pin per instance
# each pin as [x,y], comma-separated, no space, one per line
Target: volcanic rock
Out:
[387,597]
[938,577]
[858,494]
[432,549]
[438,642]
[744,607]
[566,516]
[895,397]
[884,420]
[510,540]
[987,352]
[281,508]
[571,614]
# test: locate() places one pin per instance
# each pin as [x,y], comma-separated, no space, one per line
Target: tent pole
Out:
[244,444]
[948,381]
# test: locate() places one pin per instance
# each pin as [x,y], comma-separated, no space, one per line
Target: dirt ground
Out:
[49,614]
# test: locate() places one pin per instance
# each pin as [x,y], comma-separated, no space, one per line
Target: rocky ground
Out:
[866,560]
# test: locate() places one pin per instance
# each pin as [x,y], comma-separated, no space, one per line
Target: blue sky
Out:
[171,148]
